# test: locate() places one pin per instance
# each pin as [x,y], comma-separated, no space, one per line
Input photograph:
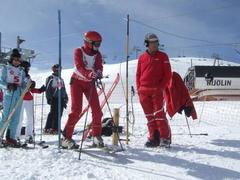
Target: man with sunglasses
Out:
[12,81]
[88,67]
[153,75]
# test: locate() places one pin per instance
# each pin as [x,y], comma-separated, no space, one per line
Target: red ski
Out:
[110,91]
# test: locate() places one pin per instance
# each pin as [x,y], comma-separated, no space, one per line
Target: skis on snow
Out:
[106,148]
[42,144]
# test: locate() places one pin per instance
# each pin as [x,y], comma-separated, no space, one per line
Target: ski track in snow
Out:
[216,156]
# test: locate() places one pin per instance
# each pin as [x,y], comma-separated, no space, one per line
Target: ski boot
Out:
[157,136]
[53,131]
[151,143]
[1,142]
[98,141]
[155,142]
[165,143]
[68,143]
[29,140]
[46,131]
[12,143]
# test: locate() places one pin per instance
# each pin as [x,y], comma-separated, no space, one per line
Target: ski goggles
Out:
[96,43]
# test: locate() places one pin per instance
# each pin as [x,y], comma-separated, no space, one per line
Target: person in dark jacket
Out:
[53,84]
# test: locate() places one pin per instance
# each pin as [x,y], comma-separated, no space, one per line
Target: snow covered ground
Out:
[216,156]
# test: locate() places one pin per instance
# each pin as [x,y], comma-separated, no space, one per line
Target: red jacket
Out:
[28,96]
[177,97]
[153,72]
[82,69]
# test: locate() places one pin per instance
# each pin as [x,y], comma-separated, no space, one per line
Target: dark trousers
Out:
[52,119]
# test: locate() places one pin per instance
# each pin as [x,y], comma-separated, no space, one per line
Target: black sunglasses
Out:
[96,43]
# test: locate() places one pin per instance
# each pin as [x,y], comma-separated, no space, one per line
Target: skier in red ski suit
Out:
[153,75]
[88,67]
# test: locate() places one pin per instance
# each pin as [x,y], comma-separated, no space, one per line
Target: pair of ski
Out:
[25,146]
[41,144]
[106,148]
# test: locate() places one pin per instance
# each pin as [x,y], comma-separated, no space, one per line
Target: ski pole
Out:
[85,122]
[133,115]
[59,77]
[190,134]
[34,140]
[42,119]
[194,134]
[100,82]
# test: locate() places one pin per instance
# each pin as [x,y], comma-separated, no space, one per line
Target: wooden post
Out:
[116,123]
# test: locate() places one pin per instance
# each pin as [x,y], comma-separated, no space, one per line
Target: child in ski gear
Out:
[27,106]
[12,81]
[53,85]
[153,75]
[88,67]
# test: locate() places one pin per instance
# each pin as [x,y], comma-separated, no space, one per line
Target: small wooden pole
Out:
[116,123]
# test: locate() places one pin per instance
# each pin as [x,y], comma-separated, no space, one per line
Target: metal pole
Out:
[0,43]
[59,81]
[189,130]
[127,59]
[34,135]
[41,141]
[85,122]
[18,40]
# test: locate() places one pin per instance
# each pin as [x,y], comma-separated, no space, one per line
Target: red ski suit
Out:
[153,75]
[85,62]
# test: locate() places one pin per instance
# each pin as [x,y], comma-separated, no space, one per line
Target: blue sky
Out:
[211,23]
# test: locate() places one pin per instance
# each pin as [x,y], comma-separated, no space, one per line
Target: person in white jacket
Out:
[27,107]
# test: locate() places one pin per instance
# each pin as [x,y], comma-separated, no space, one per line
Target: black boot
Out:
[157,136]
[69,143]
[12,143]
[98,141]
[151,143]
